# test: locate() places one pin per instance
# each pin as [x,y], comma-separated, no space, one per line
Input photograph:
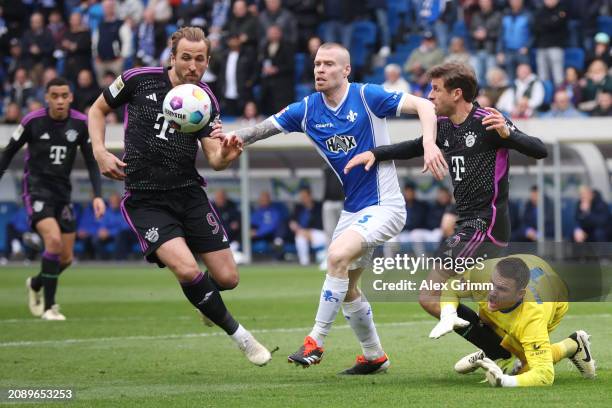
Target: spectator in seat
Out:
[12,114]
[86,91]
[427,55]
[597,79]
[604,105]
[562,107]
[415,231]
[267,222]
[244,24]
[86,231]
[485,26]
[307,226]
[571,84]
[527,94]
[112,42]
[237,75]
[394,80]
[250,115]
[227,210]
[22,89]
[276,15]
[592,217]
[497,84]
[515,38]
[38,45]
[528,223]
[602,49]
[113,229]
[308,72]
[277,72]
[76,46]
[438,208]
[550,31]
[457,52]
[308,16]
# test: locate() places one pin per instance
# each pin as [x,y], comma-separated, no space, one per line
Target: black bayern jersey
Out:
[51,151]
[158,157]
[478,165]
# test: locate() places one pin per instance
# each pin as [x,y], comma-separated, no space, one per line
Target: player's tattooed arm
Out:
[260,131]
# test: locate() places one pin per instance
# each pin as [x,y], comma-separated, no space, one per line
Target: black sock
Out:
[36,282]
[48,277]
[206,298]
[213,282]
[481,335]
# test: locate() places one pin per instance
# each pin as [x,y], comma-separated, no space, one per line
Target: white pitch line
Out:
[183,336]
[198,335]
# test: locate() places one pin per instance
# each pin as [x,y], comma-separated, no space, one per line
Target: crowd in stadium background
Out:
[263,49]
[533,58]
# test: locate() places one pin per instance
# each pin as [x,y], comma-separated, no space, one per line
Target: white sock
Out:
[240,334]
[332,295]
[358,313]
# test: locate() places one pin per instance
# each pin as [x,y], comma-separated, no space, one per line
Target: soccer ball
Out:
[187,108]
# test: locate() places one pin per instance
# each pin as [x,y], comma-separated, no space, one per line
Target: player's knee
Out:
[229,281]
[186,271]
[338,262]
[53,244]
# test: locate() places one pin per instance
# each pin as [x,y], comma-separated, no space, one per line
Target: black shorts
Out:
[63,213]
[469,241]
[159,216]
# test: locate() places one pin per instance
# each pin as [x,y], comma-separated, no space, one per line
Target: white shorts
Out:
[377,224]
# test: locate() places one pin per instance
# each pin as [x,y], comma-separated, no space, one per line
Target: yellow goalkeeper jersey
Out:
[524,328]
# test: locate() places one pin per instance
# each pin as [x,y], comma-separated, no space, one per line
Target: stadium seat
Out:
[300,57]
[302,91]
[6,214]
[549,92]
[364,37]
[460,30]
[574,57]
[604,24]
[568,221]
[396,11]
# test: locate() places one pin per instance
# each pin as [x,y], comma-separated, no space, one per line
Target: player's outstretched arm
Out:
[434,159]
[109,164]
[512,138]
[250,135]
[218,154]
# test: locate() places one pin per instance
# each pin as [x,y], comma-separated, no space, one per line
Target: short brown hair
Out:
[515,269]
[194,34]
[455,75]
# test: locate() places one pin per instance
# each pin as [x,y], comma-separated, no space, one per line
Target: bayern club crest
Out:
[152,235]
[71,135]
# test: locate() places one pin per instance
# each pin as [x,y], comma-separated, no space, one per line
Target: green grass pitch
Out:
[132,339]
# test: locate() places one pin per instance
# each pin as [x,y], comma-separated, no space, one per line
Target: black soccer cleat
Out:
[308,354]
[365,367]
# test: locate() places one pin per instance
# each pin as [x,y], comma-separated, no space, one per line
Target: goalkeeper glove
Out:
[495,376]
[448,321]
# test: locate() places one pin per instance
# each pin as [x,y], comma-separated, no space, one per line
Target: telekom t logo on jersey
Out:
[58,154]
[458,163]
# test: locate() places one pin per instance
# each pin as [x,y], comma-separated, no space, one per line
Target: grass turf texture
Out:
[132,339]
